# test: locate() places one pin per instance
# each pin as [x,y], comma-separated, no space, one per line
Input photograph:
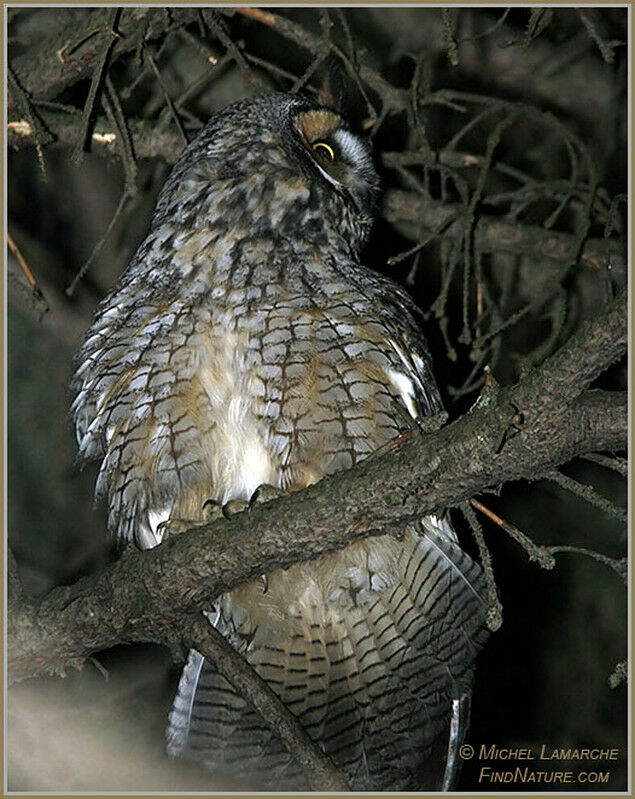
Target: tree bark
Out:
[415,216]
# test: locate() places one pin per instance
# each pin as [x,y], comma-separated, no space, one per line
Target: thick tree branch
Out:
[597,345]
[71,54]
[415,216]
[149,140]
[521,431]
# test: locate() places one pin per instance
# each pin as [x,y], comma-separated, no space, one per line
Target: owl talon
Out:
[213,509]
[265,493]
[172,527]
[234,506]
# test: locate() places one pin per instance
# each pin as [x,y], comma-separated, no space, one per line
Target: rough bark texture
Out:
[416,217]
[52,68]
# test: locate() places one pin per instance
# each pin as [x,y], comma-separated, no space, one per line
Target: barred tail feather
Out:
[384,688]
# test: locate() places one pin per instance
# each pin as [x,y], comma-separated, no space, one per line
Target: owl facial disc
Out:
[341,157]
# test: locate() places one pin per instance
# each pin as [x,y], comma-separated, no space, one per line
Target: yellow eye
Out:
[322,148]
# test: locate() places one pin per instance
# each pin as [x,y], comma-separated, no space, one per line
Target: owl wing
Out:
[127,401]
[141,404]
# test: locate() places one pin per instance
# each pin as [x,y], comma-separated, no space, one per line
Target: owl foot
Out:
[212,509]
[235,506]
[172,527]
[265,493]
[215,510]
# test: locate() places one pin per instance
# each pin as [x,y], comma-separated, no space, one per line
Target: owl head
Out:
[279,163]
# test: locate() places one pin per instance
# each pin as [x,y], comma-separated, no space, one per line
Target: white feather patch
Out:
[405,387]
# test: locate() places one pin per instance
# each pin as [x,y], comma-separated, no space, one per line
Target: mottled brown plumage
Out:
[246,344]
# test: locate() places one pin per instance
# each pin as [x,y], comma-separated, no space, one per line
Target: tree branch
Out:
[412,215]
[65,58]
[597,345]
[148,139]
[521,431]
[393,99]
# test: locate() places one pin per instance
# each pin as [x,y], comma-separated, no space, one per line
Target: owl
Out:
[247,345]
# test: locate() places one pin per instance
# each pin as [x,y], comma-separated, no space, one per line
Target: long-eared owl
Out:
[246,344]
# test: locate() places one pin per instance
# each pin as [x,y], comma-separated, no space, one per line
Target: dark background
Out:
[544,677]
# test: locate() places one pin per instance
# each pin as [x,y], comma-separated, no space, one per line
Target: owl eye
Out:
[323,149]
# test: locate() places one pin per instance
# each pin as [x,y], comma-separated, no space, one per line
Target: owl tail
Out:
[384,688]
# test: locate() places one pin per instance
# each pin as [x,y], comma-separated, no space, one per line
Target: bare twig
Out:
[619,565]
[87,264]
[117,119]
[394,100]
[495,608]
[30,286]
[619,465]
[588,493]
[539,20]
[448,15]
[211,18]
[44,76]
[492,29]
[40,136]
[276,71]
[320,57]
[410,214]
[258,15]
[536,552]
[168,99]
[23,264]
[607,49]
[108,39]
[544,555]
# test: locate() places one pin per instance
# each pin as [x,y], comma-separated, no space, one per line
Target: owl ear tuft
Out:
[317,124]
